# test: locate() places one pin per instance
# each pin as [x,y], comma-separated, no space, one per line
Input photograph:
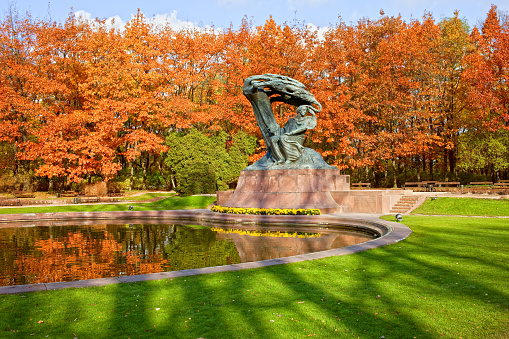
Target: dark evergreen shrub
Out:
[199,178]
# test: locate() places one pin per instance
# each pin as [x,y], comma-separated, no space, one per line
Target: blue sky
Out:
[222,13]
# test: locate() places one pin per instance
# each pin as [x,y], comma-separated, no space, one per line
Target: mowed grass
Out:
[147,196]
[464,206]
[171,203]
[447,280]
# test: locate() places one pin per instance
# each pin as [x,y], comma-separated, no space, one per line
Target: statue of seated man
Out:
[287,142]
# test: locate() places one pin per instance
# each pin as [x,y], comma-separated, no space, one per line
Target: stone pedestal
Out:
[289,188]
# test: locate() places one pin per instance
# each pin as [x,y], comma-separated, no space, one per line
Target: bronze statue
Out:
[285,148]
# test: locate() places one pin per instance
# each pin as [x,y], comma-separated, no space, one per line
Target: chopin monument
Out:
[289,175]
[285,148]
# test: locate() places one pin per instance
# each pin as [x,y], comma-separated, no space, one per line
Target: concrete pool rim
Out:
[389,232]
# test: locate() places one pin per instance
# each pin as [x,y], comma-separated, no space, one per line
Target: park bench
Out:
[429,185]
[361,184]
[23,194]
[116,194]
[449,183]
[413,184]
[88,199]
[481,183]
[67,194]
[502,184]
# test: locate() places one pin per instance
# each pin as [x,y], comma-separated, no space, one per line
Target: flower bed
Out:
[272,234]
[266,211]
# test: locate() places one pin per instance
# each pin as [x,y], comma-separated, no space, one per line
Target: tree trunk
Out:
[131,175]
[395,181]
[50,184]
[173,186]
[144,170]
[446,154]
[431,174]
[160,167]
[452,161]
[418,169]
[144,165]
[26,176]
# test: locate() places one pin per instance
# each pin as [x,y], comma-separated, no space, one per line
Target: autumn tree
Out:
[488,73]
[334,74]
[454,44]
[82,99]
[23,84]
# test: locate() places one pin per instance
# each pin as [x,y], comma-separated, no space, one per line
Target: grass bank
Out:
[448,280]
[171,203]
[464,206]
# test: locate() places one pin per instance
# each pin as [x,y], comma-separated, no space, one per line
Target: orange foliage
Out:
[82,96]
[488,73]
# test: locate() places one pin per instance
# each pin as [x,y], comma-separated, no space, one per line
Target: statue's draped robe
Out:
[289,147]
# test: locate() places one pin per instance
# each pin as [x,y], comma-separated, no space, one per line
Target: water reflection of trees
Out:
[63,253]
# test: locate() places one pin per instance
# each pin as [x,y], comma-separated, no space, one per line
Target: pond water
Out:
[42,254]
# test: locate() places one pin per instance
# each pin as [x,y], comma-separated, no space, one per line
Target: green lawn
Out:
[147,196]
[172,203]
[447,280]
[464,206]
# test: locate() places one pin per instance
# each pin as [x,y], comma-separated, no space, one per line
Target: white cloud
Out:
[171,20]
[159,20]
[115,22]
[82,15]
[320,31]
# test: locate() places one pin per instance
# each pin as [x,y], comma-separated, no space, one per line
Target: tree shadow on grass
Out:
[408,289]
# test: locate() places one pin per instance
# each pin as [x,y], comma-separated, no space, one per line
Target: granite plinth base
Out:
[292,188]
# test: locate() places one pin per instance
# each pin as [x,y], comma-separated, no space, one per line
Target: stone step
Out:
[398,205]
[406,208]
[409,198]
[398,211]
[405,204]
[402,206]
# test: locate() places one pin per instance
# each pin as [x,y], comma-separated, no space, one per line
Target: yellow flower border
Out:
[266,211]
[272,234]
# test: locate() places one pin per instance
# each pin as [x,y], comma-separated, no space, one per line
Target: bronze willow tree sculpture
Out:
[285,148]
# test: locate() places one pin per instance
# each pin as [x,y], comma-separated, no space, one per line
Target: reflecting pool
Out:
[63,252]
